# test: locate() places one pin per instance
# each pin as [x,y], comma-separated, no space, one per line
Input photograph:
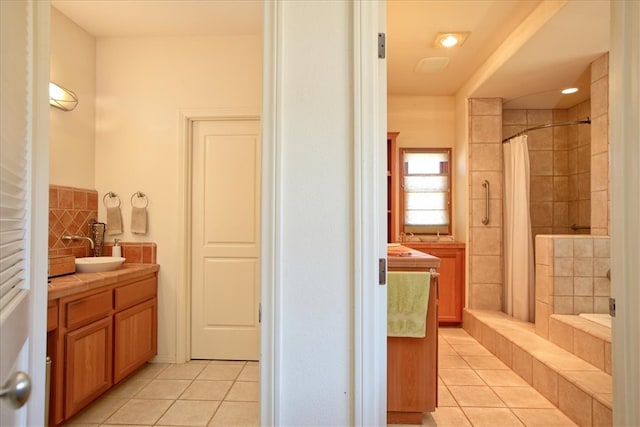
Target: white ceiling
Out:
[555,57]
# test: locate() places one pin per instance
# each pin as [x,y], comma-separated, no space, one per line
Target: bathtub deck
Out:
[578,388]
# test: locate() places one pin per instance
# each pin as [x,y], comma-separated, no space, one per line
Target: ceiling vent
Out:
[432,65]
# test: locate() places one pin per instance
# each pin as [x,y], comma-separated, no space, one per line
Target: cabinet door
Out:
[451,285]
[88,364]
[135,338]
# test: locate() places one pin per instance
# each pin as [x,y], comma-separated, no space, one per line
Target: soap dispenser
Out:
[116,251]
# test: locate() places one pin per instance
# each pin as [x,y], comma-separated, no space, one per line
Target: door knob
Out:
[17,389]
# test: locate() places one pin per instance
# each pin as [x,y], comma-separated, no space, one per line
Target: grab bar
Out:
[485,184]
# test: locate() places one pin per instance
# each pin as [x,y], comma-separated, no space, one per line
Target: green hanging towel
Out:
[407,301]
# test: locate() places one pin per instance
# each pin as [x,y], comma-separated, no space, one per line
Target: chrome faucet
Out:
[76,237]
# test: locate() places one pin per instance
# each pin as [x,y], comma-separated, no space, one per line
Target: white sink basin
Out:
[98,264]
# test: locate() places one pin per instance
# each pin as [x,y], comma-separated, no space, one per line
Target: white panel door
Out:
[225,240]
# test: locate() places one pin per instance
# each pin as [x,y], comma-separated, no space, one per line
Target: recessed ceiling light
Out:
[569,90]
[451,39]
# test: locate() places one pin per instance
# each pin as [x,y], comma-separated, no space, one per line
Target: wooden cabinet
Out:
[412,363]
[135,338]
[88,364]
[96,338]
[452,262]
[392,185]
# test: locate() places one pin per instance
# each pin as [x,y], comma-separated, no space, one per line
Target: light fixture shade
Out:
[62,98]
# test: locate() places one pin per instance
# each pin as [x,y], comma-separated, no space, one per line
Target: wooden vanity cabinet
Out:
[103,335]
[135,327]
[451,283]
[88,364]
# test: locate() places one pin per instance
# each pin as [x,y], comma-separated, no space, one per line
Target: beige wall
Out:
[142,86]
[72,133]
[424,121]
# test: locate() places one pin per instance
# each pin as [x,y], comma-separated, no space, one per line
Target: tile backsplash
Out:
[70,212]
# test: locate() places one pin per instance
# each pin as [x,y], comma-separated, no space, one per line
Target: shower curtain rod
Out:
[550,125]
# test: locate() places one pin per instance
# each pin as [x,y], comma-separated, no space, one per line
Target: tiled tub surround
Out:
[70,212]
[571,276]
[579,389]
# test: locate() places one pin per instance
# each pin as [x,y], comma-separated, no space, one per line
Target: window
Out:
[425,196]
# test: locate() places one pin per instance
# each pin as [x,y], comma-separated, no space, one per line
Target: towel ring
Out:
[140,195]
[110,195]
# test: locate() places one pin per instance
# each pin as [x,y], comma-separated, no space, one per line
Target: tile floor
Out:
[198,393]
[475,389]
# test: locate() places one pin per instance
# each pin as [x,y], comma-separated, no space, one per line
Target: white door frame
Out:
[183,294]
[368,402]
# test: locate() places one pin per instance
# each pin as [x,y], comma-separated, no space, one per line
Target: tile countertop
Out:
[79,282]
[442,244]
[409,258]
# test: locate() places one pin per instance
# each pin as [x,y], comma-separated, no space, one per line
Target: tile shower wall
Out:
[485,241]
[70,212]
[571,276]
[600,194]
[559,167]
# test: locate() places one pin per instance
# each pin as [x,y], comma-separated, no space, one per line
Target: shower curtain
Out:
[518,242]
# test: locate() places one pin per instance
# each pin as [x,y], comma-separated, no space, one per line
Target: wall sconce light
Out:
[62,98]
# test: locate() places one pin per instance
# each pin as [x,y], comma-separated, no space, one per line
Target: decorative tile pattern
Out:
[70,212]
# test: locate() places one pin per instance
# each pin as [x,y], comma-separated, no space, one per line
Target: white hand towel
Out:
[114,221]
[139,220]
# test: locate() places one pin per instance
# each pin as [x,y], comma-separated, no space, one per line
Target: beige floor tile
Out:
[484,362]
[501,377]
[129,387]
[206,390]
[492,417]
[249,373]
[253,363]
[163,389]
[480,396]
[99,411]
[446,417]
[140,411]
[475,349]
[543,417]
[445,349]
[220,371]
[190,413]
[452,361]
[460,377]
[182,371]
[149,370]
[244,391]
[444,397]
[522,397]
[128,425]
[74,424]
[227,362]
[231,414]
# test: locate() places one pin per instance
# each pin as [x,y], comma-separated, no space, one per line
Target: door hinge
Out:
[260,313]
[382,45]
[382,271]
[612,307]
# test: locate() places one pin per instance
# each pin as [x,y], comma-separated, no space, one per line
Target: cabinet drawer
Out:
[52,315]
[132,294]
[86,310]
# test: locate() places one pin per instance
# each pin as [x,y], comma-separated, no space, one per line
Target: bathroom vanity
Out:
[100,328]
[412,363]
